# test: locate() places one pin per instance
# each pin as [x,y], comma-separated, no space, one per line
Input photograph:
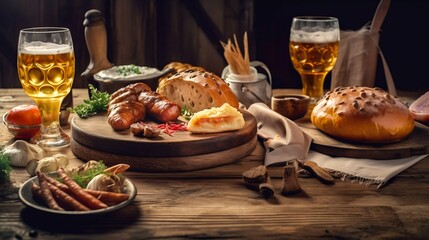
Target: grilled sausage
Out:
[121,115]
[159,107]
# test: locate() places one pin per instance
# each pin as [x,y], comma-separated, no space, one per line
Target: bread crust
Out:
[197,89]
[362,114]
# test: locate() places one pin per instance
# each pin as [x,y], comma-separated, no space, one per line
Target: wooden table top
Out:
[214,203]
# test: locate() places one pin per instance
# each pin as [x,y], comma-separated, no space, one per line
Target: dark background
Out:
[156,32]
[403,39]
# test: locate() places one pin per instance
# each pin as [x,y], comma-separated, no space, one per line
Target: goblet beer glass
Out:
[46,68]
[313,49]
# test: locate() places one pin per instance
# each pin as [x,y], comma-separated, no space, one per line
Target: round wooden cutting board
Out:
[93,138]
[416,143]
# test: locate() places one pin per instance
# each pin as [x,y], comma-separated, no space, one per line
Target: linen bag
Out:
[357,58]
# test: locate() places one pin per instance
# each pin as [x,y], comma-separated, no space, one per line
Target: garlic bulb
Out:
[21,153]
[110,183]
[50,164]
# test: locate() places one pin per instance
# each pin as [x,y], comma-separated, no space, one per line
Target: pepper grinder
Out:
[96,42]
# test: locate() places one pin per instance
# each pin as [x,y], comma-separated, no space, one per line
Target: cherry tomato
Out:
[20,119]
[24,115]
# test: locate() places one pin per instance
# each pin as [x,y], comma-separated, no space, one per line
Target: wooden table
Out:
[214,203]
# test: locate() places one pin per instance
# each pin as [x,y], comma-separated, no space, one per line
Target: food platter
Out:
[93,138]
[95,132]
[27,198]
[416,143]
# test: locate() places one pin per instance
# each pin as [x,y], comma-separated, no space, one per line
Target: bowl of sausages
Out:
[58,192]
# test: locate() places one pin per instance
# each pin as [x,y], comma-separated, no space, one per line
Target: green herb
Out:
[97,104]
[186,113]
[5,167]
[83,177]
[127,70]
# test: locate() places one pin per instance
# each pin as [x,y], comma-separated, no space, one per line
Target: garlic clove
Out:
[51,164]
[35,151]
[46,164]
[31,167]
[61,159]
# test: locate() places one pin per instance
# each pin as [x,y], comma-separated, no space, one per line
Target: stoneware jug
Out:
[250,88]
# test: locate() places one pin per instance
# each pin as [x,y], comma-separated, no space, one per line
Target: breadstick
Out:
[84,197]
[246,50]
[237,63]
[47,196]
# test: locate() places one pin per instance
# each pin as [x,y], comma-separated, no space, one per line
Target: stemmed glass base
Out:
[52,138]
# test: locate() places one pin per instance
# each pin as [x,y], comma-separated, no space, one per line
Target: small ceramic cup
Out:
[292,106]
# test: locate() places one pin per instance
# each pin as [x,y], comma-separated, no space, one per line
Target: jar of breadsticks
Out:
[243,77]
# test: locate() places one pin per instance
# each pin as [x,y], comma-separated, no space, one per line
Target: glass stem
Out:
[312,86]
[49,110]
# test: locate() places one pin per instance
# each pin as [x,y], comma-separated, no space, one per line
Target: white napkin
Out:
[365,171]
[284,140]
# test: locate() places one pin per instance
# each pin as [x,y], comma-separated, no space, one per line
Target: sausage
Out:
[128,95]
[109,198]
[46,193]
[57,184]
[132,103]
[136,87]
[121,115]
[141,129]
[37,192]
[124,108]
[140,87]
[159,107]
[83,197]
[65,200]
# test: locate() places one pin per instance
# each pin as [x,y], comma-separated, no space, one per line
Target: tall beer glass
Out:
[46,68]
[313,49]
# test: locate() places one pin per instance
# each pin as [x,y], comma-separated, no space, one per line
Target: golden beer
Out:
[46,73]
[313,61]
[46,67]
[313,49]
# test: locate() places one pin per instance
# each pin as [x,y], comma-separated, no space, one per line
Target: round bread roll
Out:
[197,90]
[362,114]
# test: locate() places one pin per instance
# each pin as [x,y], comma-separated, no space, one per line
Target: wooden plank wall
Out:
[150,32]
[18,14]
[156,32]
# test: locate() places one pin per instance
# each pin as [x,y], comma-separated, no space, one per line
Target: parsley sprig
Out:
[84,177]
[186,113]
[96,104]
[5,167]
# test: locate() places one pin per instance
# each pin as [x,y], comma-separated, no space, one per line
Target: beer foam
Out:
[44,48]
[314,37]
